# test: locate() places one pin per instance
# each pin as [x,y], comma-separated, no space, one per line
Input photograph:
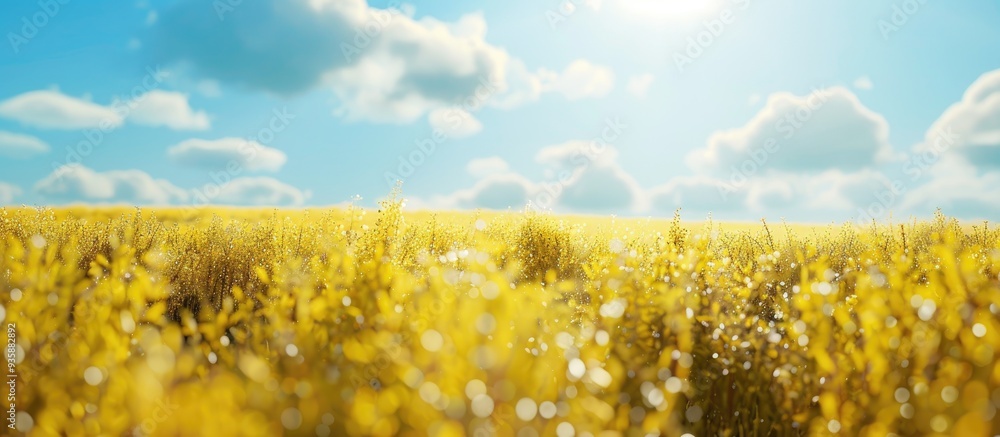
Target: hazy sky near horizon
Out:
[813,112]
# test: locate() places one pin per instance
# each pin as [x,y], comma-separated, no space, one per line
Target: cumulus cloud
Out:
[827,129]
[77,183]
[21,146]
[497,192]
[793,196]
[283,47]
[228,154]
[50,109]
[483,167]
[81,184]
[601,189]
[831,190]
[803,171]
[581,79]
[696,194]
[455,122]
[824,161]
[580,176]
[971,125]
[639,85]
[169,109]
[958,188]
[960,157]
[577,154]
[254,191]
[382,64]
[8,192]
[586,176]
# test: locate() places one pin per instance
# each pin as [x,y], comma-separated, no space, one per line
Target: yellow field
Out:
[245,322]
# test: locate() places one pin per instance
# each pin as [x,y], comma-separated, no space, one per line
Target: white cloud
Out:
[795,196]
[226,154]
[824,163]
[256,191]
[483,167]
[516,86]
[415,66]
[972,125]
[169,109]
[580,177]
[863,83]
[639,85]
[828,129]
[958,188]
[581,79]
[77,183]
[586,176]
[960,156]
[74,184]
[581,181]
[21,146]
[397,72]
[696,194]
[497,192]
[576,154]
[601,189]
[454,122]
[830,190]
[50,109]
[8,192]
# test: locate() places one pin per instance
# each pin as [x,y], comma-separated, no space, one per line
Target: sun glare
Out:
[671,9]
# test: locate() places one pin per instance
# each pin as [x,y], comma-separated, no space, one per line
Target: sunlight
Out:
[671,9]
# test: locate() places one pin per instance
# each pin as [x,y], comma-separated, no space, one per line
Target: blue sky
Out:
[743,108]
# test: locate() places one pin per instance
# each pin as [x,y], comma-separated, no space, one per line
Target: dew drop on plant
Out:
[565,429]
[93,376]
[979,330]
[547,410]
[526,409]
[902,395]
[949,394]
[432,340]
[291,419]
[833,426]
